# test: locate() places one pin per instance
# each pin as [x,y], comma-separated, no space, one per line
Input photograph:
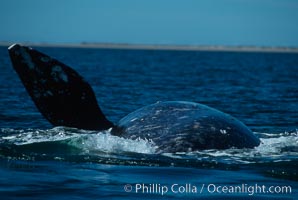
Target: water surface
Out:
[38,161]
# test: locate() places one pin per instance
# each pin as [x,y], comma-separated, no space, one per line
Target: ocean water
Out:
[38,161]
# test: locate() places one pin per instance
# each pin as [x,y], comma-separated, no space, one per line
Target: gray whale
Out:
[65,99]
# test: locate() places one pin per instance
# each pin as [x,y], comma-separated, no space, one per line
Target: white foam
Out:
[105,142]
[89,142]
[274,147]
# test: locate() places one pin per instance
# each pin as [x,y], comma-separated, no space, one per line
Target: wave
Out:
[70,144]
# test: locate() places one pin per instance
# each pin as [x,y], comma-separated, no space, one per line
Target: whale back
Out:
[179,126]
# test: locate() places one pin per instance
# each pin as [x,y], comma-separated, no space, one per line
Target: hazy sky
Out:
[192,22]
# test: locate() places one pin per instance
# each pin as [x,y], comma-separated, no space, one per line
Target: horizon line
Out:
[182,47]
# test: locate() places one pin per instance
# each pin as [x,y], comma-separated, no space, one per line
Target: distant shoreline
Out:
[218,48]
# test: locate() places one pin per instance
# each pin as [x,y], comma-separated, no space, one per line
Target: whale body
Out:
[65,99]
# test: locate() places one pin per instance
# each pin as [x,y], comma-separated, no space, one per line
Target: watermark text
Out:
[189,188]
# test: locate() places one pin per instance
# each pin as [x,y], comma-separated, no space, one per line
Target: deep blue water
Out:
[38,161]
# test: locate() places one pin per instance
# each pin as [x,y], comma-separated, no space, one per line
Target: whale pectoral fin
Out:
[60,93]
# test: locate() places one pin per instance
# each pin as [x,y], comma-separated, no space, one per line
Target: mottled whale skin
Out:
[66,99]
[180,126]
